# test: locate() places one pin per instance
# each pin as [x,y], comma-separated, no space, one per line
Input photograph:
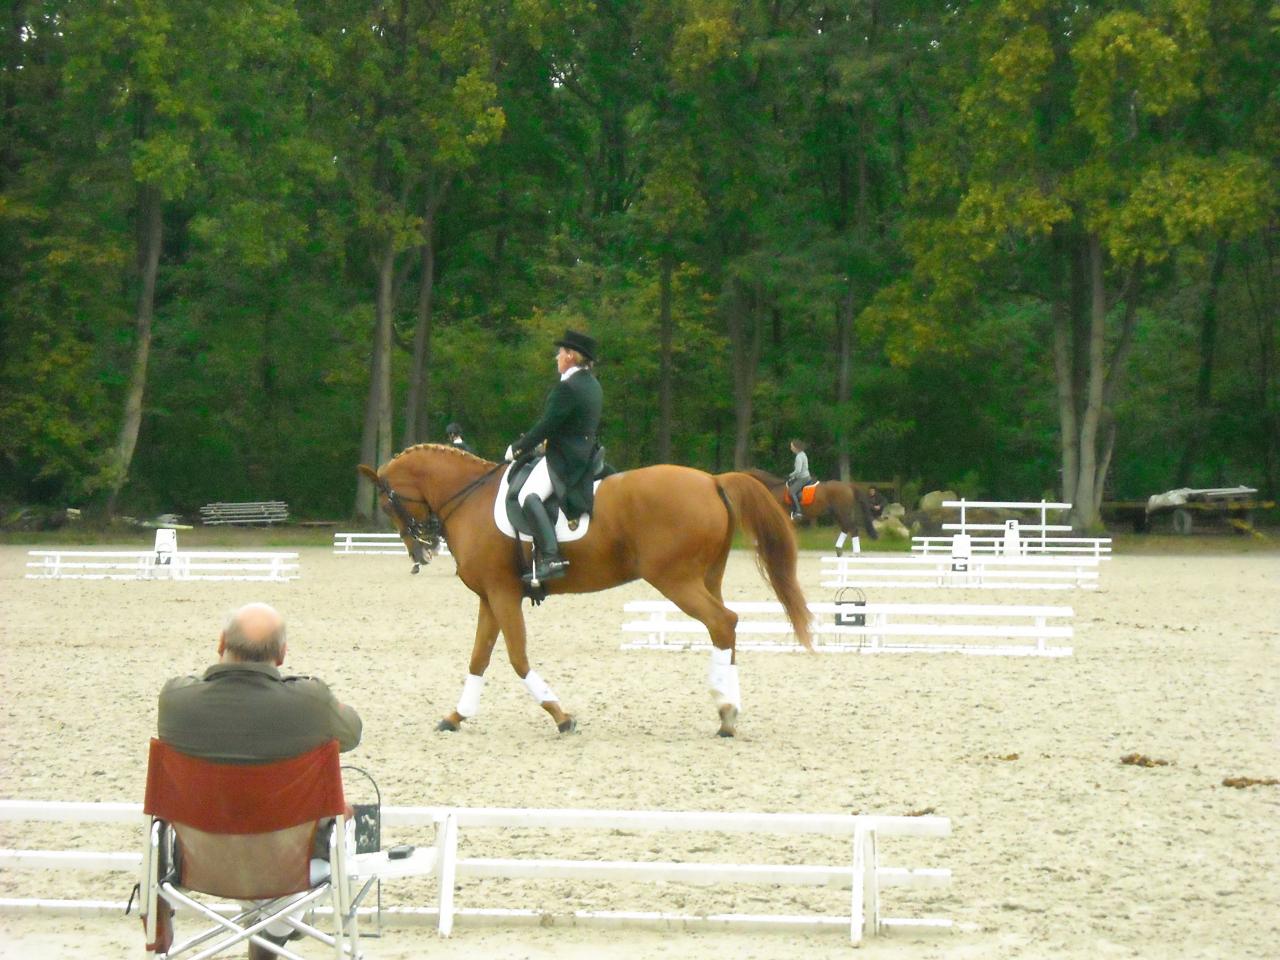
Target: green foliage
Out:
[935,170]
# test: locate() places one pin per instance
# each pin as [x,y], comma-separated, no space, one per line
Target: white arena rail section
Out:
[1098,548]
[376,544]
[1015,536]
[163,562]
[148,565]
[858,838]
[974,572]
[864,627]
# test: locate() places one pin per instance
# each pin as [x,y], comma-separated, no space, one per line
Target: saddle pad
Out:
[563,533]
[806,493]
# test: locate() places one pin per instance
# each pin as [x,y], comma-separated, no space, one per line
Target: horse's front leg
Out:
[473,686]
[511,620]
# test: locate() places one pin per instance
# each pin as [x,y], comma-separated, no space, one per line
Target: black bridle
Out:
[426,532]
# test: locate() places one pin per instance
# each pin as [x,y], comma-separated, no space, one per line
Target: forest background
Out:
[1014,249]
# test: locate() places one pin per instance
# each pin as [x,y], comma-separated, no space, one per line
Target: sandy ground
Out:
[1058,849]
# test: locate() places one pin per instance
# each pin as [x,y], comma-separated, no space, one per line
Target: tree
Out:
[410,105]
[1064,173]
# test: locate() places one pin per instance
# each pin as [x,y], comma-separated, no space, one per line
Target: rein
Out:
[470,488]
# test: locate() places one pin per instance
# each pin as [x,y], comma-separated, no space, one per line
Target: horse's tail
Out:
[753,508]
[863,503]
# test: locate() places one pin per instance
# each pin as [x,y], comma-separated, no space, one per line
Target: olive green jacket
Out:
[248,712]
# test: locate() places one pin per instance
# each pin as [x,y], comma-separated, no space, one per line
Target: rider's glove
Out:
[508,456]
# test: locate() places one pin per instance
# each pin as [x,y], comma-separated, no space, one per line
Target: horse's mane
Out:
[765,477]
[444,447]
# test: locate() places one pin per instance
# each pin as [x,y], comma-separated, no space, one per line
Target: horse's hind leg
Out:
[473,686]
[702,603]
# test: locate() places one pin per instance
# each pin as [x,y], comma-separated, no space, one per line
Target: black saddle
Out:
[516,477]
[519,473]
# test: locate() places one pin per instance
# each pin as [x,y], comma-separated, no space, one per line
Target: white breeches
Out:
[539,483]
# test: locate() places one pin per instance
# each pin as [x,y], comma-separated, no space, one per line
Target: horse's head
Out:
[421,534]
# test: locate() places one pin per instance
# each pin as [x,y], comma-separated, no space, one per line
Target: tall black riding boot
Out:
[548,564]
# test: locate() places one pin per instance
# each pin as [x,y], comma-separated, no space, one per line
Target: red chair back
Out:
[245,831]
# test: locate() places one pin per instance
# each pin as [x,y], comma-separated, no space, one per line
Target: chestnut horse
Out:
[670,525]
[845,503]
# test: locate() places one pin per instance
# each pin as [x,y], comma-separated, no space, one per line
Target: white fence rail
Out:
[1017,536]
[861,838]
[976,572]
[1099,548]
[857,626]
[377,544]
[154,565]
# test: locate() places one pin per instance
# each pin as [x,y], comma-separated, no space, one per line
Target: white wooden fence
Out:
[379,544]
[976,572]
[153,565]
[1099,548]
[859,840]
[1027,536]
[862,627]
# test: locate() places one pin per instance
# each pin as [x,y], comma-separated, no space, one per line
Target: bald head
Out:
[253,633]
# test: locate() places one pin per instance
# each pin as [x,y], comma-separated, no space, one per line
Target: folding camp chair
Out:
[245,832]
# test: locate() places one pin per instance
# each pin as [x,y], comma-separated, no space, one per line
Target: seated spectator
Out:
[242,710]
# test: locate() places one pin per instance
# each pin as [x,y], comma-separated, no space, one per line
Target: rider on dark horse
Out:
[569,422]
[798,478]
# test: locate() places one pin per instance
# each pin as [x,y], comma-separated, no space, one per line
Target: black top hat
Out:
[584,344]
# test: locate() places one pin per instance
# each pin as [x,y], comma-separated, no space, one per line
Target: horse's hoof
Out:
[567,725]
[728,720]
[446,726]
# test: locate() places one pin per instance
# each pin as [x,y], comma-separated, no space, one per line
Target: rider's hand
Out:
[508,456]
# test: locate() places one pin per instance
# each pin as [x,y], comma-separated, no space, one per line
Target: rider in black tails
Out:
[454,433]
[568,424]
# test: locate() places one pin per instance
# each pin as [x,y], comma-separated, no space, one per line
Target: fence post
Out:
[864,908]
[447,861]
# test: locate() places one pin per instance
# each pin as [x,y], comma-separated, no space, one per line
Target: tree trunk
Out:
[1264,303]
[386,281]
[744,343]
[844,380]
[415,413]
[1197,428]
[150,238]
[364,503]
[1086,513]
[375,443]
[1064,365]
[666,336]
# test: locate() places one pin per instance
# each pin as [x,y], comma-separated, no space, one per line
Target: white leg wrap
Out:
[469,702]
[722,678]
[840,540]
[539,689]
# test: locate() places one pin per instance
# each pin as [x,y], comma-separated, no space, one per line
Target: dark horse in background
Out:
[845,503]
[670,525]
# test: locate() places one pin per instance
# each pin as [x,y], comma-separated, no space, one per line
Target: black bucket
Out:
[851,608]
[367,817]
